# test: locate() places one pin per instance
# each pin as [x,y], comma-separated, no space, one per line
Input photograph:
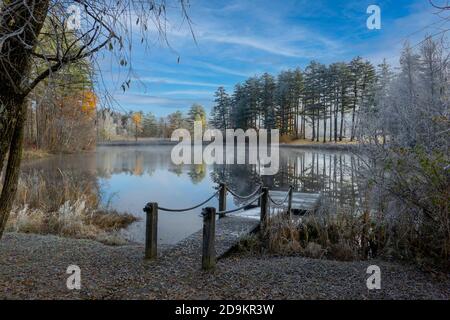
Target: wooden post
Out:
[222,199]
[264,207]
[151,231]
[259,202]
[209,237]
[289,209]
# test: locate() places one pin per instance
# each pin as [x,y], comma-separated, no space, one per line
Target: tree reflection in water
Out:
[330,173]
[132,176]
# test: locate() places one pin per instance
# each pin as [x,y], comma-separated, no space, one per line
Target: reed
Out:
[67,205]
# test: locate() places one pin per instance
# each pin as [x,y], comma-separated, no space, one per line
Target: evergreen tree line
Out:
[319,98]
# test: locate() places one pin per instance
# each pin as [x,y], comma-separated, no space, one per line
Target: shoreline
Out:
[325,146]
[168,142]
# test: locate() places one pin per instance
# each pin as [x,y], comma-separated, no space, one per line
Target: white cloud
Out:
[179,82]
[225,70]
[267,45]
[143,100]
[189,92]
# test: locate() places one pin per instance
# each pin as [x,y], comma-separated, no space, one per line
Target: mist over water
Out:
[129,177]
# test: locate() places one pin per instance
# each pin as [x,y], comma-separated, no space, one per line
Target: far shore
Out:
[298,144]
[36,154]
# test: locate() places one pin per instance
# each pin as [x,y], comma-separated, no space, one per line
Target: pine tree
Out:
[268,106]
[221,111]
[252,91]
[149,125]
[196,113]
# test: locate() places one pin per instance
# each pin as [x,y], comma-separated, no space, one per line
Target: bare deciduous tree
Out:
[27,58]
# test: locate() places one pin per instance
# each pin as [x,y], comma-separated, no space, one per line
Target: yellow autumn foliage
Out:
[89,103]
[137,118]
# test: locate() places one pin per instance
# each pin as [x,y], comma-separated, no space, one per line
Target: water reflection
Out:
[129,177]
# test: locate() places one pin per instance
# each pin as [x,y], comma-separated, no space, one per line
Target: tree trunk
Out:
[318,125]
[7,125]
[304,124]
[355,101]
[336,111]
[324,124]
[21,28]
[331,122]
[13,168]
[352,135]
[342,123]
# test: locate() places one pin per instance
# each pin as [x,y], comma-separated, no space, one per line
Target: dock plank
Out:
[229,231]
[300,200]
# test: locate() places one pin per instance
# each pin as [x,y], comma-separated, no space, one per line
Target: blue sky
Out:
[239,39]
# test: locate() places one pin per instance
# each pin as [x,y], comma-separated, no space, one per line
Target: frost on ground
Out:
[33,266]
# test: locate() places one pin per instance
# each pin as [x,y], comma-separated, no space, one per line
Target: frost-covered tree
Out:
[408,171]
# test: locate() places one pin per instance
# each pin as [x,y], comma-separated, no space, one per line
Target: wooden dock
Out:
[301,202]
[229,231]
[220,235]
[232,228]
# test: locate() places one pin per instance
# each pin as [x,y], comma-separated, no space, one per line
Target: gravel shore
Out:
[34,267]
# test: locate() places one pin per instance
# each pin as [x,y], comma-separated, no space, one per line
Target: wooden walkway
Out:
[229,231]
[302,203]
[220,235]
[232,228]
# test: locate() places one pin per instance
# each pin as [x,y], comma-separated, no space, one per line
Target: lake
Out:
[128,177]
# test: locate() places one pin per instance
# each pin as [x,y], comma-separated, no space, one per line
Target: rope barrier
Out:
[240,208]
[244,197]
[192,208]
[280,204]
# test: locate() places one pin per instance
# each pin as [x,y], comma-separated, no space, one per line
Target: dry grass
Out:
[345,235]
[31,154]
[335,237]
[286,138]
[67,206]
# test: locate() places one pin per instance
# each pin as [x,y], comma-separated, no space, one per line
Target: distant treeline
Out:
[113,125]
[314,103]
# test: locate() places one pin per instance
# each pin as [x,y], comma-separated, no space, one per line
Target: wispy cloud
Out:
[224,70]
[239,39]
[147,100]
[142,99]
[189,92]
[266,45]
[179,82]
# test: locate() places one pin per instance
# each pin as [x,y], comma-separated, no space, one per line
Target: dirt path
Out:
[33,266]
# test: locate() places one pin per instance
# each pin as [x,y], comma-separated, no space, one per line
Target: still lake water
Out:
[128,177]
